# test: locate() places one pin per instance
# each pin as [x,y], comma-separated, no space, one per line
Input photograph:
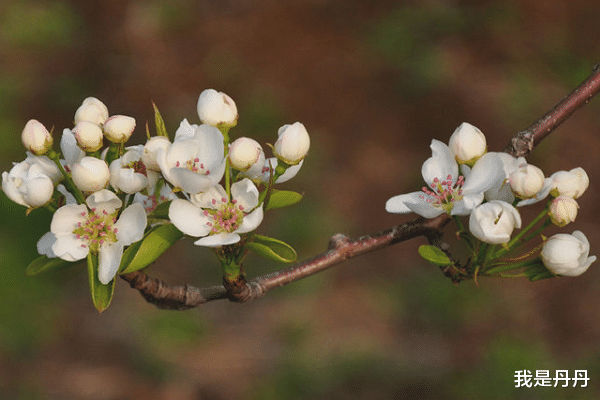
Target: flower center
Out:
[97,229]
[227,217]
[445,193]
[138,167]
[193,165]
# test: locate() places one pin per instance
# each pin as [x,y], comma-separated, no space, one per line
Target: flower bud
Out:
[90,174]
[89,136]
[216,108]
[563,210]
[151,151]
[118,128]
[244,153]
[467,144]
[526,181]
[292,144]
[493,222]
[572,183]
[91,110]
[565,254]
[36,137]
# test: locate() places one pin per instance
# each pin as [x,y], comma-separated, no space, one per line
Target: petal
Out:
[109,259]
[44,245]
[11,190]
[69,248]
[221,239]
[487,172]
[251,221]
[131,224]
[190,182]
[211,147]
[417,202]
[185,130]
[396,204]
[245,193]
[425,209]
[466,205]
[67,217]
[205,199]
[39,191]
[188,218]
[104,200]
[440,164]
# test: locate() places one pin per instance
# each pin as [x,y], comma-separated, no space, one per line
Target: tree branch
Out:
[341,247]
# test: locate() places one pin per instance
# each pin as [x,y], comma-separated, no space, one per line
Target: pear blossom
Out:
[292,143]
[216,108]
[563,210]
[467,143]
[217,220]
[565,254]
[262,172]
[36,137]
[28,183]
[92,110]
[119,128]
[195,160]
[493,222]
[448,191]
[154,199]
[88,135]
[571,183]
[90,174]
[150,152]
[78,229]
[129,173]
[244,153]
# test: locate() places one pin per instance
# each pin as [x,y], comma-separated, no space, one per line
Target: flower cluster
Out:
[464,179]
[116,205]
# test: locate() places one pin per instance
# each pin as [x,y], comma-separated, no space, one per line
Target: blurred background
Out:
[373,82]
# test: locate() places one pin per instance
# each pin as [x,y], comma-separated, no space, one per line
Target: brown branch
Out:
[341,247]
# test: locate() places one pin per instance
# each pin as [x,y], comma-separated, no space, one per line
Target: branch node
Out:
[338,240]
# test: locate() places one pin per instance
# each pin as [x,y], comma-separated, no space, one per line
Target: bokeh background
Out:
[374,82]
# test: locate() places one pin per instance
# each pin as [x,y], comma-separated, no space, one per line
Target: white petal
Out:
[65,219]
[44,245]
[69,248]
[397,204]
[211,149]
[109,259]
[188,218]
[11,190]
[104,200]
[221,239]
[131,224]
[211,198]
[190,182]
[245,193]
[487,172]
[39,191]
[185,130]
[425,209]
[467,204]
[440,164]
[251,221]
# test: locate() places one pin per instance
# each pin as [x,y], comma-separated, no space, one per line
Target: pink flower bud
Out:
[89,136]
[91,110]
[36,137]
[244,153]
[90,174]
[216,108]
[292,144]
[118,128]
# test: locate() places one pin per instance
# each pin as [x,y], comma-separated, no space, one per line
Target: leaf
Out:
[45,264]
[141,254]
[272,249]
[434,255]
[283,198]
[161,211]
[161,129]
[101,294]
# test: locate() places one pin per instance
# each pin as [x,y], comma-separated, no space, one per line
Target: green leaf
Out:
[161,129]
[141,254]
[161,211]
[283,198]
[45,264]
[101,294]
[434,255]
[272,249]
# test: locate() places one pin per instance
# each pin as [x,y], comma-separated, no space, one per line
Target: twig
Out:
[341,247]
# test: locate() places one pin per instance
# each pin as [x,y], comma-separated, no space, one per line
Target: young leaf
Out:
[434,255]
[272,249]
[161,129]
[283,198]
[141,254]
[101,294]
[45,264]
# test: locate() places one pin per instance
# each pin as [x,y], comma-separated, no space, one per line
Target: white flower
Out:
[245,153]
[129,173]
[151,151]
[92,110]
[28,182]
[563,210]
[36,137]
[216,219]
[90,174]
[292,143]
[571,183]
[467,143]
[527,181]
[216,108]
[263,172]
[494,222]
[152,200]
[450,193]
[77,229]
[193,163]
[565,254]
[119,128]
[88,135]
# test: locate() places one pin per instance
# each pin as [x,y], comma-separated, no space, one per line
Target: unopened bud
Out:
[563,210]
[526,181]
[36,137]
[90,174]
[89,136]
[91,110]
[216,108]
[244,153]
[571,183]
[118,128]
[467,144]
[292,144]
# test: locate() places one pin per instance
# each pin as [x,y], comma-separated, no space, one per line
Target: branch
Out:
[341,247]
